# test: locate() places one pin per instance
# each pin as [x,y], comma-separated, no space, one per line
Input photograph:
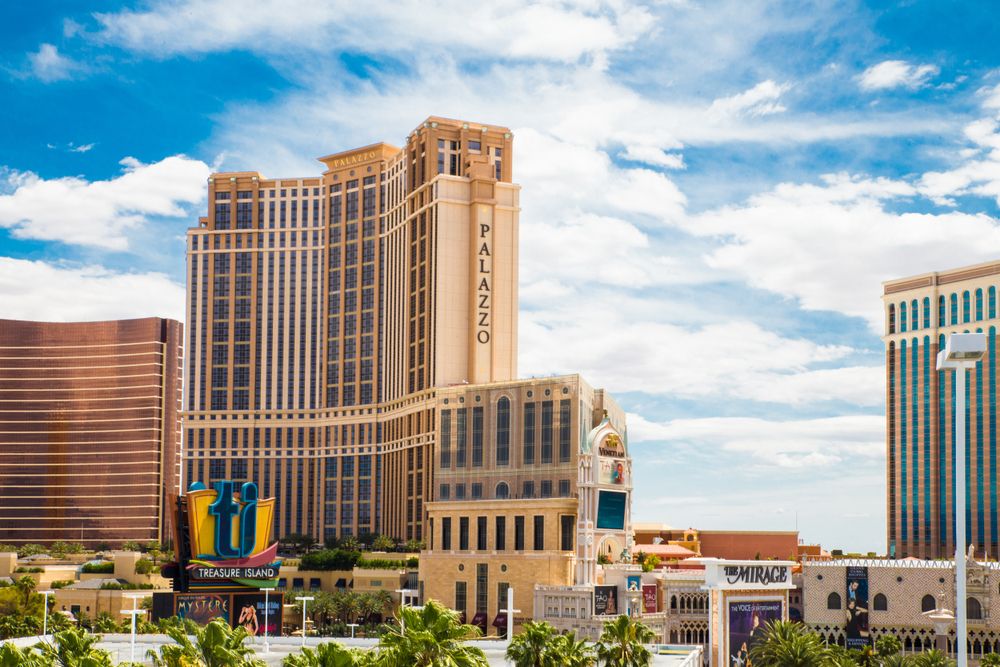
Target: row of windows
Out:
[915,315]
[567,526]
[928,603]
[502,490]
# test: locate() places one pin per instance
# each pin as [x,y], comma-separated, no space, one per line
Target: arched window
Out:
[974,609]
[833,601]
[902,316]
[928,603]
[880,603]
[953,302]
[966,307]
[927,312]
[914,316]
[503,431]
[979,304]
[941,319]
[892,318]
[503,491]
[673,602]
[991,303]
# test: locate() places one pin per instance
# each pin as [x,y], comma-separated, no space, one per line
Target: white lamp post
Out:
[352,626]
[267,616]
[304,600]
[961,352]
[404,596]
[45,613]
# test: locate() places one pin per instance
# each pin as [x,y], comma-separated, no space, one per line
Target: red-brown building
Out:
[727,544]
[89,430]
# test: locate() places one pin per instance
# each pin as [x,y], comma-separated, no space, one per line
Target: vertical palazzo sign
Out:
[857,608]
[484,274]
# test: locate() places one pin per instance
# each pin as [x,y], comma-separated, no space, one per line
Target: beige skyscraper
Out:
[324,311]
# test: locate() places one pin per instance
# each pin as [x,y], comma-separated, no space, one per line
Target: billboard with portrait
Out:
[611,471]
[249,611]
[747,622]
[202,608]
[856,608]
[606,600]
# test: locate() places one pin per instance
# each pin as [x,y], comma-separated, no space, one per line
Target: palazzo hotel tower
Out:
[920,312]
[325,313]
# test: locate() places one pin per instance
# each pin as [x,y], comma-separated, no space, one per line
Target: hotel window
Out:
[460,597]
[954,308]
[546,431]
[502,589]
[503,431]
[481,533]
[477,490]
[564,431]
[477,437]
[979,304]
[902,317]
[528,489]
[461,439]
[502,491]
[216,469]
[482,587]
[460,492]
[538,536]
[444,493]
[519,533]
[446,533]
[567,526]
[500,538]
[564,488]
[892,318]
[914,315]
[941,305]
[545,490]
[529,433]
[497,162]
[966,308]
[463,533]
[927,312]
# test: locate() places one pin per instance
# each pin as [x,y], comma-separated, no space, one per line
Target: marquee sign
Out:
[747,574]
[230,537]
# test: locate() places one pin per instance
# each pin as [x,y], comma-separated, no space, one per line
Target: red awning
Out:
[500,621]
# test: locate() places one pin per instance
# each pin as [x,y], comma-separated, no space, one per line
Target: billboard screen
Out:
[611,471]
[605,600]
[649,598]
[611,510]
[747,620]
[857,607]
[203,608]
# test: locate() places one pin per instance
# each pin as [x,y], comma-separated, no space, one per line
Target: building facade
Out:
[532,486]
[89,430]
[325,312]
[920,312]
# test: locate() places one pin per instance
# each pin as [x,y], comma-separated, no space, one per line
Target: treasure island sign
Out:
[224,551]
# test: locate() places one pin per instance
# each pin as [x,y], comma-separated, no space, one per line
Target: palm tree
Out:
[528,648]
[12,656]
[786,644]
[215,645]
[430,636]
[932,658]
[327,655]
[990,660]
[568,652]
[75,648]
[622,643]
[26,586]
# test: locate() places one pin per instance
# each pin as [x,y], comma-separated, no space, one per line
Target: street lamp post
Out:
[267,616]
[304,600]
[961,353]
[45,613]
[404,596]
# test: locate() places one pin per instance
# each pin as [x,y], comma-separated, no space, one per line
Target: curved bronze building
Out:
[89,430]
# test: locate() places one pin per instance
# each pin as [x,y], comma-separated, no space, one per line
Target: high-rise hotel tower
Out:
[920,312]
[324,311]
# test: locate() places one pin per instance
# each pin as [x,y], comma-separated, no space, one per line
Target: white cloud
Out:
[803,443]
[35,290]
[655,156]
[761,100]
[82,148]
[562,31]
[895,74]
[48,65]
[73,210]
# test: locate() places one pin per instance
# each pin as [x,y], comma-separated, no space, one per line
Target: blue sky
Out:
[712,194]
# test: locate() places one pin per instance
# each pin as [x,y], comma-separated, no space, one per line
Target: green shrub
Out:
[330,559]
[30,570]
[99,568]
[144,566]
[62,583]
